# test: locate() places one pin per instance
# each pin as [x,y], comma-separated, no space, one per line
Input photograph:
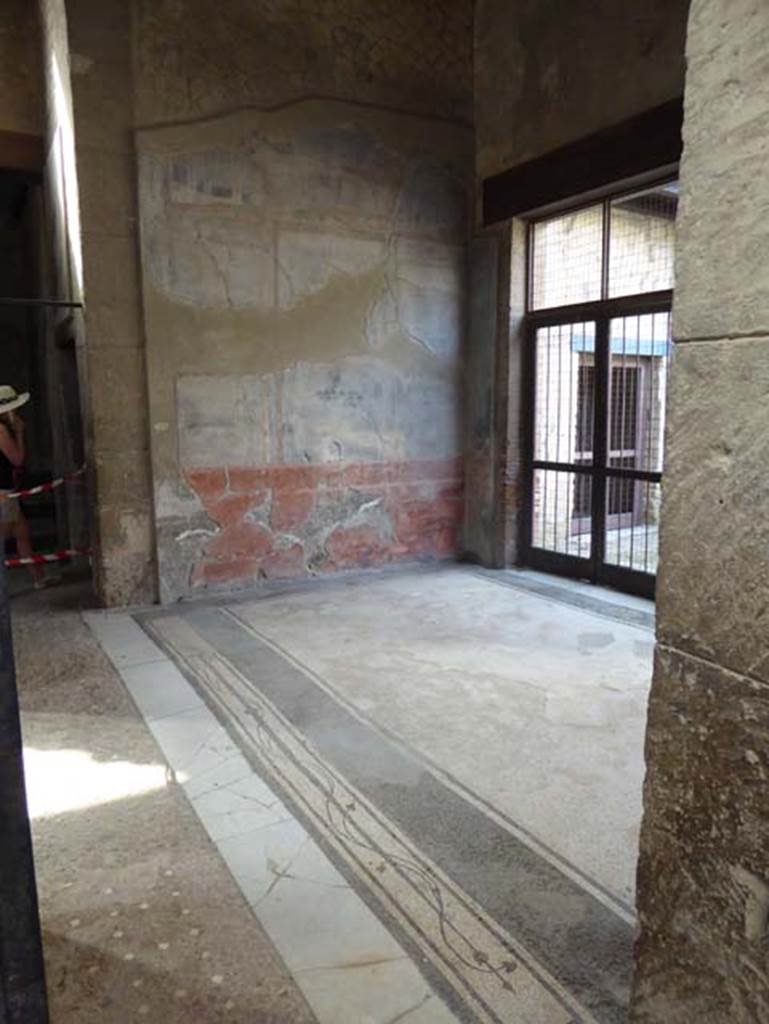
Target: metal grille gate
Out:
[597,352]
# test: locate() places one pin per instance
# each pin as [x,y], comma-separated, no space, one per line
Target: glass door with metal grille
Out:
[598,345]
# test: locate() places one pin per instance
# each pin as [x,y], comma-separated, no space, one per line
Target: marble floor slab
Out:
[159,689]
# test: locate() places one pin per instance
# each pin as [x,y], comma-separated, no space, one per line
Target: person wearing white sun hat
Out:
[12,453]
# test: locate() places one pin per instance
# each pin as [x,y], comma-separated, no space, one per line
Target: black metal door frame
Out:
[594,568]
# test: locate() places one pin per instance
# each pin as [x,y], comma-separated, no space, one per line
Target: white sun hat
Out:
[10,399]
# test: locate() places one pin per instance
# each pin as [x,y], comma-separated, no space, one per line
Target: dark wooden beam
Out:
[638,146]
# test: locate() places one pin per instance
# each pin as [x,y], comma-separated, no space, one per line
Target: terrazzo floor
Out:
[391,797]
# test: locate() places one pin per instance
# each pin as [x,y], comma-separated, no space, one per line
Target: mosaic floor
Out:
[427,785]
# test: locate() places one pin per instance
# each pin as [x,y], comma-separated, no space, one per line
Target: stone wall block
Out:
[107,189]
[714,567]
[706,725]
[112,311]
[117,400]
[702,868]
[126,571]
[128,579]
[125,528]
[726,147]
[122,479]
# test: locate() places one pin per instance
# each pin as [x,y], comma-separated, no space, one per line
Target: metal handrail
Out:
[56,303]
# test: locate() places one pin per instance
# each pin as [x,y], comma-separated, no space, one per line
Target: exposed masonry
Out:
[292,521]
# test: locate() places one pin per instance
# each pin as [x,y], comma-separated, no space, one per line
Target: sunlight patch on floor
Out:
[60,781]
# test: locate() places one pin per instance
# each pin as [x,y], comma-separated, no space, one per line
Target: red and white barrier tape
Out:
[51,485]
[53,556]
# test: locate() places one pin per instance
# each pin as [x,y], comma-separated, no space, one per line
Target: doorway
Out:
[598,346]
[38,339]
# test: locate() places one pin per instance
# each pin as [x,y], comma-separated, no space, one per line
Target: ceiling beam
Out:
[636,147]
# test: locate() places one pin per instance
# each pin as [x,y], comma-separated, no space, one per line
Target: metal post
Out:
[22,978]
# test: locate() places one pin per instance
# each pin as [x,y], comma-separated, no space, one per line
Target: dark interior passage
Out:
[39,357]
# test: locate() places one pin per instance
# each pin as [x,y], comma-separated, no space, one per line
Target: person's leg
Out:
[24,546]
[6,524]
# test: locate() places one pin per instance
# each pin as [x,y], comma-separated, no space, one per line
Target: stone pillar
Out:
[487,259]
[493,374]
[703,892]
[102,105]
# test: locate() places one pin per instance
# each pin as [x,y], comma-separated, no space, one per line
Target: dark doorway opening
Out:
[39,356]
